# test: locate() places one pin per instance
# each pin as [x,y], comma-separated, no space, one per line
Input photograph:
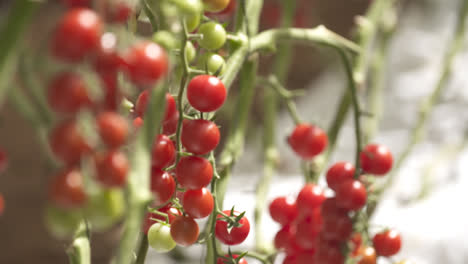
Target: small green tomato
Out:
[61,223]
[192,21]
[166,39]
[190,52]
[159,238]
[213,63]
[213,35]
[105,209]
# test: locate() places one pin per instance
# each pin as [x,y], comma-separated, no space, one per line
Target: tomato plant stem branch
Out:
[79,251]
[149,13]
[142,250]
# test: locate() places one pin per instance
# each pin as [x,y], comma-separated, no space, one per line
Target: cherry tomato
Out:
[171,212]
[234,257]
[225,13]
[213,35]
[190,52]
[111,168]
[310,197]
[198,203]
[77,35]
[329,252]
[308,141]
[67,93]
[113,129]
[212,63]
[290,259]
[194,172]
[356,242]
[112,96]
[200,136]
[330,209]
[308,228]
[170,126]
[105,208]
[143,100]
[66,189]
[160,239]
[3,160]
[367,255]
[338,173]
[283,237]
[283,210]
[107,60]
[215,5]
[61,223]
[146,63]
[166,39]
[337,228]
[192,21]
[206,93]
[305,257]
[387,243]
[184,231]
[351,195]
[137,122]
[190,6]
[376,159]
[162,185]
[163,152]
[2,204]
[76,3]
[120,13]
[67,143]
[235,235]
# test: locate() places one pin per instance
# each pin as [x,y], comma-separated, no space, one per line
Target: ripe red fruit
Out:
[387,243]
[111,168]
[284,237]
[308,228]
[3,160]
[283,210]
[67,93]
[171,212]
[356,242]
[310,197]
[337,228]
[224,261]
[146,63]
[308,141]
[112,95]
[198,203]
[67,143]
[235,235]
[170,126]
[142,104]
[338,173]
[66,189]
[206,93]
[77,35]
[305,257]
[2,204]
[200,136]
[194,172]
[184,230]
[107,60]
[76,3]
[226,13]
[351,195]
[367,255]
[329,252]
[163,152]
[113,129]
[290,259]
[137,122]
[330,209]
[120,12]
[162,185]
[376,159]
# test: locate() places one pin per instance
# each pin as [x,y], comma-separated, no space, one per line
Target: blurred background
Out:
[425,201]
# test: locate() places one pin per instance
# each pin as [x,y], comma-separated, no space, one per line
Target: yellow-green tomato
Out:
[61,223]
[165,39]
[189,6]
[192,21]
[213,63]
[190,52]
[215,5]
[159,238]
[105,209]
[213,35]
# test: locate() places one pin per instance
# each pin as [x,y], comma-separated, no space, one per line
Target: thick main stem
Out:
[79,251]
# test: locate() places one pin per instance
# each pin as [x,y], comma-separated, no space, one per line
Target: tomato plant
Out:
[232,235]
[184,230]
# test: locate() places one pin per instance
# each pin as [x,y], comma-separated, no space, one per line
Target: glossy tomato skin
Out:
[67,143]
[223,261]
[308,228]
[225,13]
[310,197]
[330,209]
[198,203]
[67,190]
[206,93]
[215,5]
[142,104]
[112,168]
[67,93]
[77,35]
[305,257]
[162,185]
[113,129]
[107,60]
[171,212]
[351,195]
[200,136]
[234,236]
[290,259]
[284,237]
[337,228]
[214,35]
[163,152]
[146,63]
[308,141]
[283,210]
[367,255]
[329,252]
[338,173]
[160,239]
[376,159]
[387,243]
[184,231]
[194,172]
[170,126]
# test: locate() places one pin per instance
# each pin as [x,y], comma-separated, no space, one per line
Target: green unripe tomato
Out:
[192,21]
[61,223]
[189,6]
[213,63]
[213,35]
[165,39]
[190,52]
[159,238]
[215,5]
[105,209]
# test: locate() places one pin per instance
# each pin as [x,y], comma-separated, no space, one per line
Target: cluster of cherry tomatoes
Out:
[317,228]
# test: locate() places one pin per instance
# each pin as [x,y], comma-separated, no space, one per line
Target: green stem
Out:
[149,13]
[79,251]
[142,250]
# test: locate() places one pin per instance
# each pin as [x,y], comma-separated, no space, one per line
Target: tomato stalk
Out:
[79,251]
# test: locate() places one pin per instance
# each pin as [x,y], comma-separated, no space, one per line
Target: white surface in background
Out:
[434,230]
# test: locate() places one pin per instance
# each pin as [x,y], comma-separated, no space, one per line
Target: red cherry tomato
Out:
[3,160]
[305,257]
[67,93]
[142,104]
[330,209]
[284,237]
[77,35]
[387,243]
[338,173]
[235,235]
[206,93]
[356,242]
[112,95]
[66,189]
[200,136]
[329,252]
[198,203]
[163,152]
[226,13]
[137,122]
[171,212]
[290,259]
[120,13]
[308,228]
[76,3]
[351,195]
[184,230]
[367,255]
[106,59]
[67,143]
[146,63]
[283,210]
[337,228]
[162,185]
[170,126]
[194,172]
[2,204]
[112,168]
[310,197]
[376,159]
[224,261]
[308,141]
[113,129]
